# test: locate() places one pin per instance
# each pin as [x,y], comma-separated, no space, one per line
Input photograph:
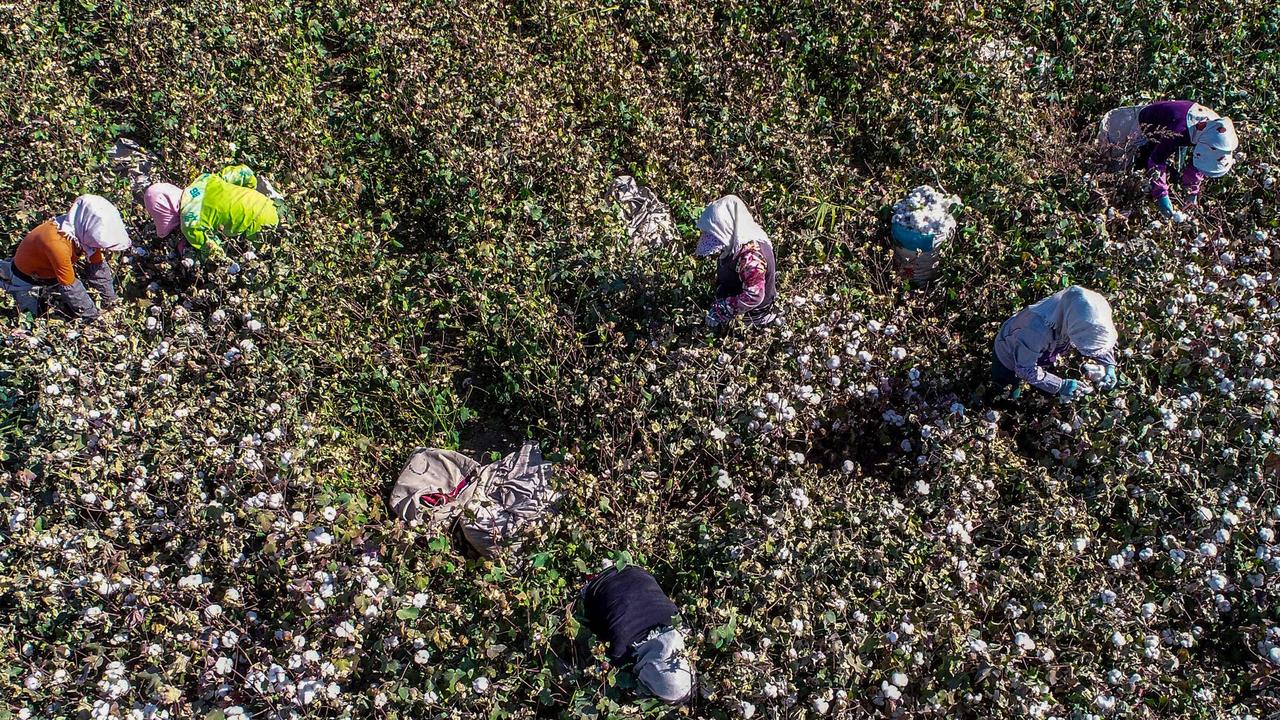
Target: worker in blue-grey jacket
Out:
[629,611]
[1031,341]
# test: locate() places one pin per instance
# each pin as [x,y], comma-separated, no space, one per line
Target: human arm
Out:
[1027,345]
[76,302]
[1158,167]
[753,270]
[1192,181]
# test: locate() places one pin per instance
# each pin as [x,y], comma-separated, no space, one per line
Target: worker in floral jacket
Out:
[1150,136]
[234,202]
[746,273]
[46,260]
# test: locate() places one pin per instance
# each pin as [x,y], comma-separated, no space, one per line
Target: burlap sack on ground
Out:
[490,505]
[648,219]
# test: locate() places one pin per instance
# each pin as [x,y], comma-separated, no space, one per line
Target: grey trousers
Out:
[72,300]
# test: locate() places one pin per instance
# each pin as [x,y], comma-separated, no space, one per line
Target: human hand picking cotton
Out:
[1031,341]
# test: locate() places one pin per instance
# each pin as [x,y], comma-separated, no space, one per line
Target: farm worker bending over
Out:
[46,259]
[227,204]
[1151,134]
[745,268]
[489,505]
[629,611]
[1034,338]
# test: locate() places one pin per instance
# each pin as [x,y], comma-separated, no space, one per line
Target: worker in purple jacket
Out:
[1150,135]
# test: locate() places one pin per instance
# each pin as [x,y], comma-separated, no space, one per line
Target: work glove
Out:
[712,320]
[1166,206]
[1070,388]
[1109,380]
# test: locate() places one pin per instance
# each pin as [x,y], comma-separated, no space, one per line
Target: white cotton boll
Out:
[899,679]
[1079,544]
[1118,639]
[820,706]
[833,362]
[480,685]
[889,691]
[1024,642]
[1094,372]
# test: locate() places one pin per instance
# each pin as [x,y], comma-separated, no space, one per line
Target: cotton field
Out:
[194,515]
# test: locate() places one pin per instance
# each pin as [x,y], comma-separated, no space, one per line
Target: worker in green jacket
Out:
[234,202]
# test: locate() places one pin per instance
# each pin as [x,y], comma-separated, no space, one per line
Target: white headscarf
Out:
[726,226]
[1084,317]
[95,223]
[663,669]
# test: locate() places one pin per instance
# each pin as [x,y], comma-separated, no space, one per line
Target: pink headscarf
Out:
[161,201]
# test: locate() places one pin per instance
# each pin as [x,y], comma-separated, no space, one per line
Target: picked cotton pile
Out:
[927,210]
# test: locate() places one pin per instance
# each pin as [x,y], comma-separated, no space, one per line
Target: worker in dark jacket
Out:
[630,612]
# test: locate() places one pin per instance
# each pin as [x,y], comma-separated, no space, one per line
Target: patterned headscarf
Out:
[1215,146]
